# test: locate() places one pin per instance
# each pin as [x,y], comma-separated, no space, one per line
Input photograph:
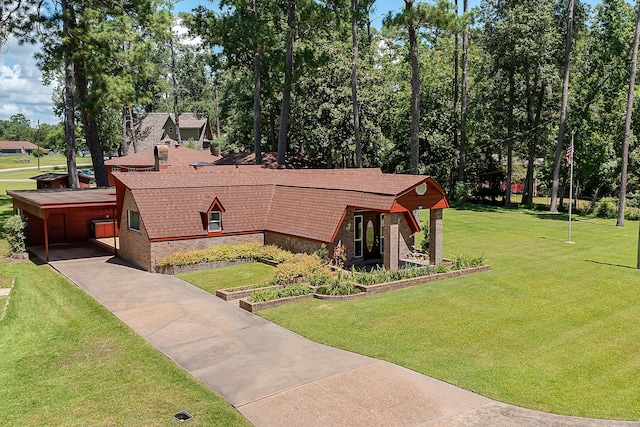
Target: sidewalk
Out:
[273,376]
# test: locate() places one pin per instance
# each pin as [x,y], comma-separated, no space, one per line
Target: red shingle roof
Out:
[305,203]
[17,145]
[178,155]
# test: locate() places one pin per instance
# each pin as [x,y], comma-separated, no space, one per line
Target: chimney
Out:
[160,155]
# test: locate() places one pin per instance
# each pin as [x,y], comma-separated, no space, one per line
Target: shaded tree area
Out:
[473,100]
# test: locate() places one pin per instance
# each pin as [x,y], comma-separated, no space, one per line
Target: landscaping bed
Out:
[405,283]
[252,307]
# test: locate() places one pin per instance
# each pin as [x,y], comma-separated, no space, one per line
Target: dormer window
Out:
[212,218]
[215,221]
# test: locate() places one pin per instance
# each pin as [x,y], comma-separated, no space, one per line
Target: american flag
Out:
[23,151]
[569,156]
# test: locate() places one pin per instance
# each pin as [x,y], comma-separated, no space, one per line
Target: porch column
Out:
[435,236]
[391,241]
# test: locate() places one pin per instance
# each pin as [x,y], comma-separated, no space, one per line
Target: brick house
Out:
[185,208]
[151,129]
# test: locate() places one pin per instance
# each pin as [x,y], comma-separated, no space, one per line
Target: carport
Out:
[67,215]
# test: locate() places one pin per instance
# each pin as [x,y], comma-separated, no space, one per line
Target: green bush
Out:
[271,294]
[227,253]
[381,275]
[461,192]
[301,265]
[632,213]
[607,207]
[339,288]
[323,253]
[14,234]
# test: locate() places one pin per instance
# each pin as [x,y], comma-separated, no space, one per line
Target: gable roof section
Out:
[178,155]
[304,203]
[17,145]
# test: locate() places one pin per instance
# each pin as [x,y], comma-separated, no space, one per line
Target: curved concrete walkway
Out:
[273,376]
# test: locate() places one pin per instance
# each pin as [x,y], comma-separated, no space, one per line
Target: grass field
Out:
[228,277]
[554,326]
[65,360]
[11,162]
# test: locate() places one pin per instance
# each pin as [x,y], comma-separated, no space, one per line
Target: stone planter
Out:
[20,255]
[230,294]
[405,283]
[257,306]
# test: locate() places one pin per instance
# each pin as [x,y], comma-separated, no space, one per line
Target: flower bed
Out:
[263,305]
[237,293]
[405,283]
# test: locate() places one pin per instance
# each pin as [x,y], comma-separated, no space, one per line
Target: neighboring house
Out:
[185,208]
[172,154]
[152,129]
[17,148]
[61,180]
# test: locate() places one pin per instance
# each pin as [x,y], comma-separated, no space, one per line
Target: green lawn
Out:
[9,162]
[65,360]
[554,326]
[229,277]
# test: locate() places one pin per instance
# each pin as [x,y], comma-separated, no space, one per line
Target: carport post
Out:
[46,238]
[115,241]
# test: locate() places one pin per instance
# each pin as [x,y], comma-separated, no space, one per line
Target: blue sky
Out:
[22,91]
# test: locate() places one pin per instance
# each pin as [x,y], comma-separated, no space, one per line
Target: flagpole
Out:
[573,132]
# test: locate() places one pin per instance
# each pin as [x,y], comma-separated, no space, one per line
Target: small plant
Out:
[339,288]
[14,233]
[271,294]
[323,253]
[339,255]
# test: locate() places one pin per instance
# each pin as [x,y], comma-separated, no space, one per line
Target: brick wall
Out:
[159,250]
[292,244]
[134,246]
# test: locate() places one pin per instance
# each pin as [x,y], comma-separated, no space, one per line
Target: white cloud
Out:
[21,87]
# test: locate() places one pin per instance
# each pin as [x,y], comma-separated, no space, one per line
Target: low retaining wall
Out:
[257,306]
[405,283]
[232,295]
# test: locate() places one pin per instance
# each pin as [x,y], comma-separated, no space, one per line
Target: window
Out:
[357,236]
[115,169]
[170,130]
[134,220]
[381,233]
[215,221]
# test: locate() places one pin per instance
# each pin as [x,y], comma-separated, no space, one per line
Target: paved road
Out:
[273,376]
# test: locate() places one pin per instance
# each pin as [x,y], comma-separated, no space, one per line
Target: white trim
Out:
[358,242]
[216,222]
[381,234]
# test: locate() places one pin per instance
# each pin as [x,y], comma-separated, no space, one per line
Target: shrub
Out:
[632,213]
[14,233]
[227,253]
[271,294]
[323,253]
[339,288]
[461,192]
[606,207]
[320,279]
[301,265]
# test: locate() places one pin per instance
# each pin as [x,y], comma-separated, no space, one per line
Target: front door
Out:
[371,223]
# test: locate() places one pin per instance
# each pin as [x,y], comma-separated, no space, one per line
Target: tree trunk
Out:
[415,94]
[627,127]
[288,77]
[69,104]
[563,113]
[257,82]
[463,98]
[217,114]
[510,136]
[174,82]
[455,89]
[354,81]
[90,126]
[527,197]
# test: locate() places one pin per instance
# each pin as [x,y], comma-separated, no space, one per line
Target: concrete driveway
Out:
[273,376]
